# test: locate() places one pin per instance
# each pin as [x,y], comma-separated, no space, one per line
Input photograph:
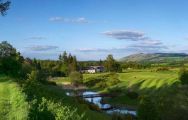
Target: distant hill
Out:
[155,57]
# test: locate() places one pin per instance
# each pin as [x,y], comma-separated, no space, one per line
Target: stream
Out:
[109,109]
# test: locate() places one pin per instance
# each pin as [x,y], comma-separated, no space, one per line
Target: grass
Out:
[141,81]
[60,80]
[145,81]
[13,105]
[57,94]
[12,101]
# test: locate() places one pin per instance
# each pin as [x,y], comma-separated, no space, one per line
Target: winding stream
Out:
[109,109]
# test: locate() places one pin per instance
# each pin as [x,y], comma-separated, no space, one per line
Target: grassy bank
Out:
[12,101]
[15,105]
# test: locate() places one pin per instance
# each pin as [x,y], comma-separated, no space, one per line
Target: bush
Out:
[147,109]
[48,110]
[132,95]
[115,90]
[76,78]
[113,79]
[183,76]
[37,76]
[103,81]
[94,80]
[162,69]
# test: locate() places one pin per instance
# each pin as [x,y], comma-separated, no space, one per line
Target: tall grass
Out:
[12,101]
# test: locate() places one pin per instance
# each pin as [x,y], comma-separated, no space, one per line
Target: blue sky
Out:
[92,29]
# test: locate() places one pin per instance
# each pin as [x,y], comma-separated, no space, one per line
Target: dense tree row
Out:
[135,65]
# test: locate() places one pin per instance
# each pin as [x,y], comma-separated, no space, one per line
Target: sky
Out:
[92,29]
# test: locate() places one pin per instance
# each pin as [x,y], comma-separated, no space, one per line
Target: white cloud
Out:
[69,20]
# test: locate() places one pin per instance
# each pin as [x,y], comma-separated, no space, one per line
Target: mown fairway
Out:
[12,101]
[144,79]
[138,79]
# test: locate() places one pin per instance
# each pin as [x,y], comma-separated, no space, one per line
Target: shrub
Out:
[115,90]
[162,69]
[183,76]
[37,76]
[94,80]
[113,79]
[49,110]
[147,109]
[76,78]
[101,84]
[132,95]
[103,81]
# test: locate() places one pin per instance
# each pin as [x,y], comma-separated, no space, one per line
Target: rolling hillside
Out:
[156,57]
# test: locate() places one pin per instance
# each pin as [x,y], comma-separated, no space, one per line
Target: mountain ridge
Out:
[155,57]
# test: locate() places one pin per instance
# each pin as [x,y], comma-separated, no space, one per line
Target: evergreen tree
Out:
[4,6]
[111,65]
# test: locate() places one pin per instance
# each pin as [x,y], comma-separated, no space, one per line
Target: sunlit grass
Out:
[148,79]
[12,101]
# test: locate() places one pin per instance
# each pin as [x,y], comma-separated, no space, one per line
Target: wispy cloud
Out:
[148,48]
[42,47]
[125,35]
[151,42]
[69,20]
[36,38]
[139,47]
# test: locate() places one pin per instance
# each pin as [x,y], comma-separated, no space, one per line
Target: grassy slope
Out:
[148,79]
[59,94]
[141,81]
[12,101]
[14,107]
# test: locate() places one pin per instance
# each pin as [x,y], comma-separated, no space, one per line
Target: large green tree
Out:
[10,59]
[4,6]
[111,65]
[69,63]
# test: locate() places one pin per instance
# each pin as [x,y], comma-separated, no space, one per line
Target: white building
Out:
[93,69]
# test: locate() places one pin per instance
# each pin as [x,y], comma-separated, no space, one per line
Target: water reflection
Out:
[99,102]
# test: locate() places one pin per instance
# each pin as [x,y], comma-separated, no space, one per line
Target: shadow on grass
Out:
[4,78]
